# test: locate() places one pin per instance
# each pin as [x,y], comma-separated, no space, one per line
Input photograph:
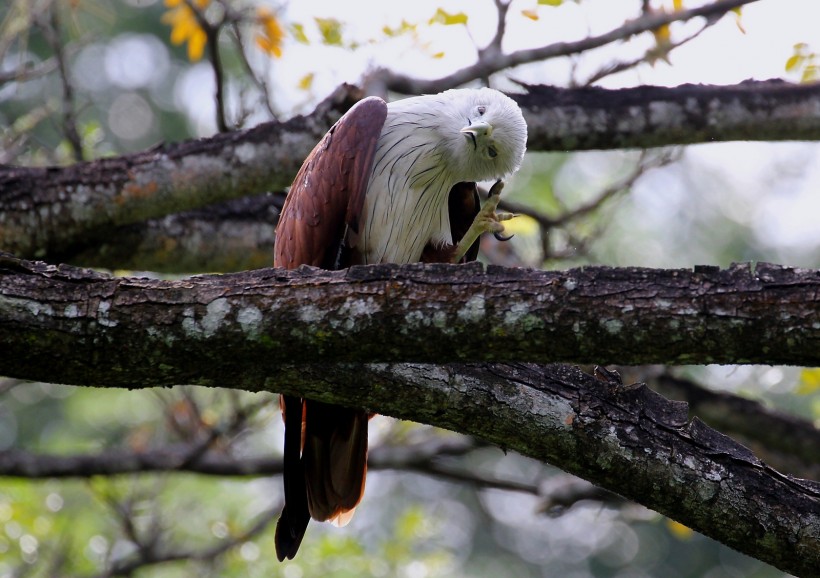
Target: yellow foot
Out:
[486,221]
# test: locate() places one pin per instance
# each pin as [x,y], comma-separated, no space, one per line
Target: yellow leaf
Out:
[809,381]
[438,54]
[678,530]
[550,2]
[306,82]
[793,62]
[443,17]
[185,27]
[677,5]
[662,35]
[271,37]
[531,14]
[196,45]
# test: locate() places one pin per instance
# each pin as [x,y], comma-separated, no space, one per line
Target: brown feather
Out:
[325,446]
[328,192]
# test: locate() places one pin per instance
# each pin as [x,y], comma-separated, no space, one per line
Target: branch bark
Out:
[56,213]
[241,331]
[626,439]
[240,327]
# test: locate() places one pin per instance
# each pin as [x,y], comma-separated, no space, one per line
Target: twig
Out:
[486,66]
[52,35]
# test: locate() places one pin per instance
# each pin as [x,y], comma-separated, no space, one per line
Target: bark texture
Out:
[302,333]
[626,439]
[95,326]
[57,213]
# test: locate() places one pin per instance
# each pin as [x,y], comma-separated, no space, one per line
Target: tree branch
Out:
[56,213]
[238,328]
[240,331]
[786,442]
[495,61]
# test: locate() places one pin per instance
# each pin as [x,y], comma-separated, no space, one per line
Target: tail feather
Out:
[292,524]
[334,459]
[325,468]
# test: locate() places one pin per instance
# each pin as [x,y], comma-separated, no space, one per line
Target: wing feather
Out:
[327,195]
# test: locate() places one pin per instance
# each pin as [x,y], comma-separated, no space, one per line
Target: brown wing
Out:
[328,192]
[326,199]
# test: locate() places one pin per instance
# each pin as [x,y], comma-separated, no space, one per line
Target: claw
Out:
[495,190]
[502,238]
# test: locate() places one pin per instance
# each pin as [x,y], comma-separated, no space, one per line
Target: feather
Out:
[388,183]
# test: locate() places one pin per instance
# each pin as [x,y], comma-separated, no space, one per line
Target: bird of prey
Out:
[388,183]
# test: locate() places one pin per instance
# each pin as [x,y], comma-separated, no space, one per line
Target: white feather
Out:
[422,152]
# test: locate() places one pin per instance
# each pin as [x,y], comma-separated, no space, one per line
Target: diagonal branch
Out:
[496,61]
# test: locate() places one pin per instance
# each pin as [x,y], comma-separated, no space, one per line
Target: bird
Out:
[388,183]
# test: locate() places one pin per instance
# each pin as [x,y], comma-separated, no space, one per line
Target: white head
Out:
[480,134]
[484,133]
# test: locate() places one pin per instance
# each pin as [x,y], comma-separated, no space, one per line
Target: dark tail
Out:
[290,529]
[325,477]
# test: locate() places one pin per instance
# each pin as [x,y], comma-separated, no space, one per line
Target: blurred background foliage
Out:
[83,79]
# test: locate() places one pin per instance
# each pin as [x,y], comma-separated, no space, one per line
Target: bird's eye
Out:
[482,110]
[492,152]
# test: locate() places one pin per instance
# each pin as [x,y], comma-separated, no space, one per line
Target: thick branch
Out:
[57,212]
[236,235]
[651,116]
[238,328]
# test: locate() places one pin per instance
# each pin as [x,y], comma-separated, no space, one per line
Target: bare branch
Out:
[487,65]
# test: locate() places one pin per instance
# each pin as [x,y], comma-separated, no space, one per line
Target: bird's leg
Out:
[486,221]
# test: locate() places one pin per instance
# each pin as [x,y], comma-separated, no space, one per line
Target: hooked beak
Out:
[477,129]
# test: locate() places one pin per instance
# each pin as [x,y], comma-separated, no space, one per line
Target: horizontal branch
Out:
[653,116]
[240,327]
[55,213]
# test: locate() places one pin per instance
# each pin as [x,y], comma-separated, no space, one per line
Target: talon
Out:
[503,238]
[496,189]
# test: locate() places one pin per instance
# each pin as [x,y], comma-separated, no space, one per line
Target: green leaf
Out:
[331,30]
[550,2]
[443,17]
[298,32]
